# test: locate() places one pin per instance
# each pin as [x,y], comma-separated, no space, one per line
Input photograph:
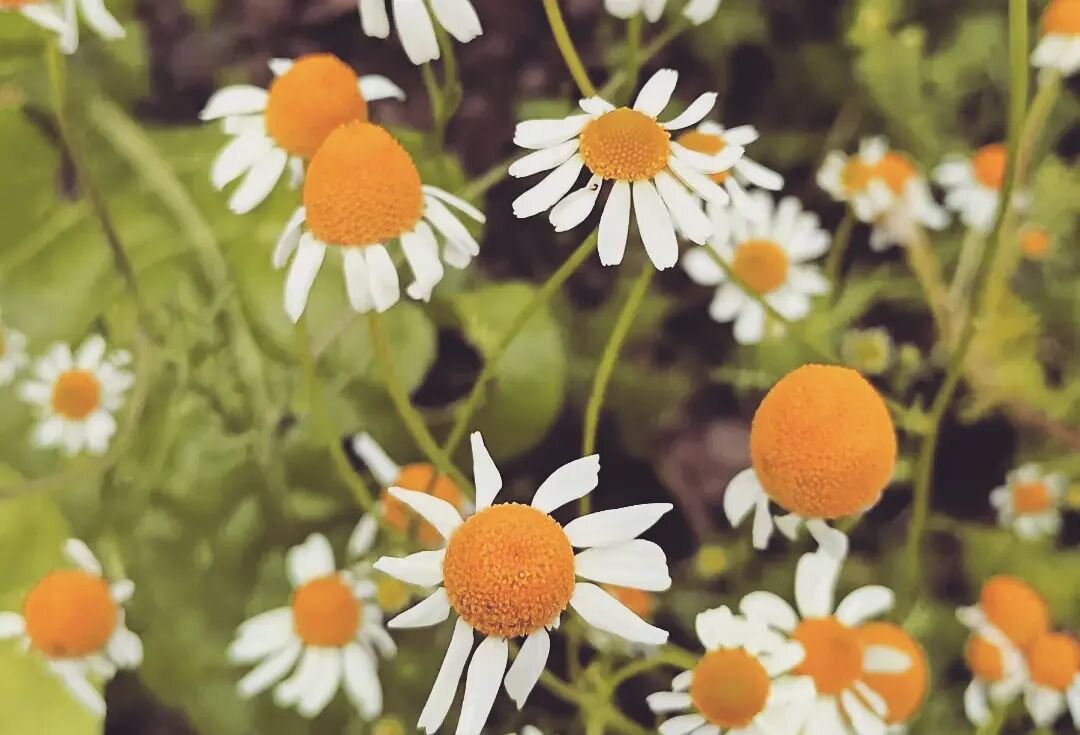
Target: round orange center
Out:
[1035,243]
[822,442]
[509,570]
[760,264]
[834,654]
[316,95]
[362,188]
[730,687]
[988,165]
[420,477]
[1054,661]
[857,175]
[325,612]
[897,170]
[1062,18]
[76,393]
[1031,497]
[1015,609]
[903,693]
[640,602]
[69,614]
[708,144]
[625,145]
[984,659]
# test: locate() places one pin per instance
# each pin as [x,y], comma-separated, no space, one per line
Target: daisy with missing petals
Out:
[76,397]
[412,20]
[12,352]
[332,626]
[973,186]
[1030,502]
[696,11]
[822,447]
[282,127]
[75,619]
[1059,42]
[62,18]
[653,176]
[997,671]
[1053,663]
[363,191]
[838,658]
[742,685]
[768,251]
[509,571]
[711,138]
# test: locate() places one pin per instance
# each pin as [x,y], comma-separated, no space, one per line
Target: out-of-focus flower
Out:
[696,11]
[1053,663]
[903,693]
[1011,607]
[1030,502]
[711,138]
[1059,42]
[412,21]
[13,356]
[870,351]
[1035,243]
[62,18]
[973,185]
[997,674]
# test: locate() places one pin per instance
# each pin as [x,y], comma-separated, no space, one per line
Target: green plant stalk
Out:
[658,44]
[835,262]
[566,48]
[927,270]
[970,254]
[632,65]
[435,99]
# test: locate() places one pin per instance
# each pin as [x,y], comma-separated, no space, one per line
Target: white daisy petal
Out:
[482,684]
[570,482]
[458,17]
[377,87]
[310,560]
[783,659]
[305,266]
[416,31]
[382,277]
[124,649]
[655,95]
[357,279]
[681,682]
[698,182]
[446,682]
[422,253]
[544,159]
[436,511]
[885,660]
[536,134]
[550,190]
[485,473]
[717,627]
[741,496]
[430,611]
[258,182]
[681,725]
[74,679]
[603,611]
[527,667]
[79,554]
[289,238]
[771,609]
[664,702]
[693,114]
[637,564]
[373,18]
[241,99]
[654,225]
[270,671]
[363,536]
[684,209]
[576,206]
[864,604]
[815,585]
[615,526]
[362,681]
[12,625]
[615,224]
[759,175]
[832,541]
[423,568]
[100,19]
[750,324]
[862,719]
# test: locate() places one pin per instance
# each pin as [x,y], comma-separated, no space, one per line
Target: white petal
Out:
[576,206]
[363,536]
[430,611]
[874,700]
[12,625]
[702,267]
[416,31]
[482,684]
[832,541]
[717,628]
[423,568]
[79,554]
[727,302]
[862,719]
[49,18]
[750,324]
[771,609]
[289,238]
[270,671]
[550,190]
[241,99]
[759,175]
[741,496]
[684,209]
[615,224]
[815,585]
[380,464]
[706,163]
[373,18]
[663,702]
[100,19]
[595,106]
[570,482]
[527,667]
[357,280]
[693,114]
[261,635]
[783,659]
[305,266]
[885,660]
[616,526]
[637,564]
[259,181]
[603,611]
[90,353]
[458,17]
[681,682]
[310,560]
[825,719]
[700,11]
[698,182]
[325,685]
[976,707]
[538,134]
[436,511]
[682,725]
[362,681]
[377,87]
[382,277]
[445,686]
[655,95]
[654,225]
[544,159]
[124,648]
[73,677]
[864,604]
[485,473]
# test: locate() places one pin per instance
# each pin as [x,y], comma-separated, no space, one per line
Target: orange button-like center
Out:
[708,144]
[730,687]
[761,264]
[1062,18]
[1054,661]
[984,659]
[509,570]
[325,612]
[625,145]
[70,614]
[422,478]
[904,692]
[1035,243]
[76,394]
[1031,497]
[834,654]
[1015,609]
[988,165]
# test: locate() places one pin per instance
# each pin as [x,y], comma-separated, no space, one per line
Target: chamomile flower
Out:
[653,176]
[75,619]
[12,352]
[1053,663]
[1030,502]
[997,671]
[509,571]
[1059,42]
[76,397]
[710,138]
[62,18]
[696,11]
[362,192]
[282,127]
[768,249]
[902,693]
[839,657]
[412,20]
[822,446]
[332,627]
[973,186]
[1008,608]
[742,685]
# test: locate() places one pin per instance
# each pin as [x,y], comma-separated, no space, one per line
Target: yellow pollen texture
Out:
[761,264]
[625,145]
[76,393]
[988,165]
[730,687]
[421,478]
[317,94]
[325,612]
[708,144]
[509,570]
[1015,609]
[362,188]
[822,442]
[1054,661]
[1035,243]
[903,693]
[1062,18]
[984,659]
[1031,497]
[834,654]
[69,614]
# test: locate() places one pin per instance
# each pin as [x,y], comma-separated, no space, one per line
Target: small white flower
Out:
[13,356]
[1053,685]
[711,138]
[973,186]
[696,11]
[1030,502]
[62,18]
[1059,42]
[412,20]
[998,673]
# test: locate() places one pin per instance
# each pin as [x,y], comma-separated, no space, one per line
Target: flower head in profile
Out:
[743,684]
[768,252]
[332,627]
[1059,40]
[998,674]
[973,185]
[904,692]
[412,20]
[822,447]
[1030,502]
[363,192]
[657,179]
[13,356]
[1053,685]
[62,18]
[75,619]
[76,396]
[282,127]
[696,11]
[710,138]
[509,571]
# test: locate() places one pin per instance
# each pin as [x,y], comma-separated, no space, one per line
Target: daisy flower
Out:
[1059,42]
[839,659]
[767,247]
[12,352]
[75,619]
[822,446]
[711,138]
[742,685]
[363,191]
[61,18]
[1030,502]
[973,186]
[280,128]
[1053,663]
[997,671]
[332,626]
[77,396]
[902,693]
[1009,609]
[412,20]
[509,571]
[696,11]
[653,176]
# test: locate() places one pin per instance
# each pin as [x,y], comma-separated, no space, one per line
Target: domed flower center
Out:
[761,264]
[315,96]
[325,612]
[509,570]
[822,442]
[708,144]
[730,687]
[834,654]
[1015,609]
[1031,497]
[1062,18]
[641,602]
[422,478]
[625,145]
[69,614]
[76,394]
[897,170]
[984,659]
[1054,661]
[857,175]
[362,188]
[903,693]
[988,165]
[1035,243]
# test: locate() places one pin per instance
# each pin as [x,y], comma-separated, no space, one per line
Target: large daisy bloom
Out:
[822,447]
[1053,684]
[973,186]
[13,356]
[1059,41]
[696,11]
[332,627]
[75,619]
[711,138]
[412,20]
[281,127]
[62,18]
[362,192]
[1030,502]
[767,247]
[510,571]
[998,674]
[76,396]
[903,693]
[653,176]
[839,658]
[742,685]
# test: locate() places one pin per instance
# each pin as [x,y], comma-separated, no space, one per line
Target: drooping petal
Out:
[864,604]
[362,681]
[654,225]
[771,609]
[815,585]
[446,682]
[430,611]
[616,526]
[615,224]
[416,31]
[527,667]
[436,511]
[603,611]
[482,684]
[637,564]
[570,482]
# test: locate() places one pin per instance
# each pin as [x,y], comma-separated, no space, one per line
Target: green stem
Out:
[669,655]
[633,53]
[970,254]
[651,49]
[435,99]
[927,270]
[834,265]
[566,48]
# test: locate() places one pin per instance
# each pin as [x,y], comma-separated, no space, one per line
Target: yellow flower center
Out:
[1035,243]
[730,687]
[1062,18]
[1015,609]
[509,570]
[897,170]
[308,102]
[325,612]
[641,602]
[1054,661]
[1031,497]
[834,654]
[362,188]
[903,693]
[420,477]
[69,614]
[984,659]
[76,394]
[988,165]
[761,264]
[708,144]
[625,145]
